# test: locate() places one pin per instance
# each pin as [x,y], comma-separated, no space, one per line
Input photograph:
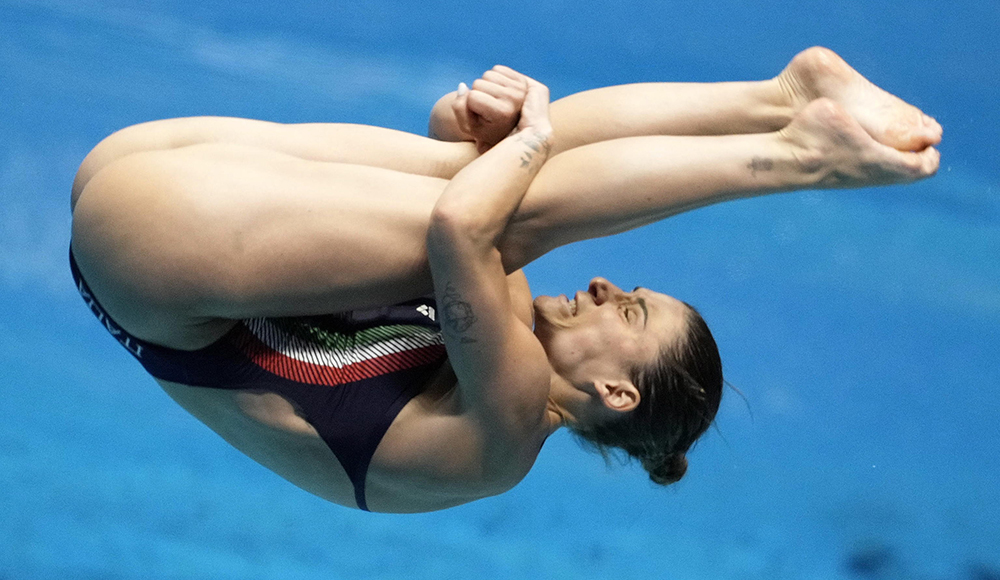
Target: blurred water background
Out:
[861,325]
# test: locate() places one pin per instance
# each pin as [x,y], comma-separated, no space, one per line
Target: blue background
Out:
[862,326]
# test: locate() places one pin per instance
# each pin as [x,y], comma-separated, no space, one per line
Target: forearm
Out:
[482,196]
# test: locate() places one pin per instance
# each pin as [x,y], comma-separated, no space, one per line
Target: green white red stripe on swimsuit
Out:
[304,351]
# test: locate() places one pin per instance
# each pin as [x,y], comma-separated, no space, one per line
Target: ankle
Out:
[775,103]
[808,160]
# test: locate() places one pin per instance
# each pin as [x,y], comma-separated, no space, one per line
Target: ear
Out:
[618,395]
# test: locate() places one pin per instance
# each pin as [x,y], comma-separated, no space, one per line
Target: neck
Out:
[555,415]
[566,404]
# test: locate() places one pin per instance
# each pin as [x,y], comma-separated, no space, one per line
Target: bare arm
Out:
[501,367]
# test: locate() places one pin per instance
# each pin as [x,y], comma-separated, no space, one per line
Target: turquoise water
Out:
[861,325]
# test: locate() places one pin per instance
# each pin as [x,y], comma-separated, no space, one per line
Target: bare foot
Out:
[831,145]
[819,72]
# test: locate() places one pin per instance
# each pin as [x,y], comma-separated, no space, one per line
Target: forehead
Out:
[666,312]
[661,300]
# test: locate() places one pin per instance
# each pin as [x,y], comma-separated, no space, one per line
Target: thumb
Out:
[460,107]
[535,110]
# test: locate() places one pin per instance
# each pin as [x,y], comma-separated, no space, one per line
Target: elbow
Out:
[452,225]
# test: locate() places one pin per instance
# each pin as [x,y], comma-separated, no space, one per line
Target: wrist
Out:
[540,132]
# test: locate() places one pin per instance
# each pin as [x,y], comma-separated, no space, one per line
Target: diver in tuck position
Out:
[345,304]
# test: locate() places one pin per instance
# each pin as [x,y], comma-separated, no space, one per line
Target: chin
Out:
[549,312]
[543,311]
[538,306]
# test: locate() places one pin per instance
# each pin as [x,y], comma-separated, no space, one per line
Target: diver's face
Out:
[607,331]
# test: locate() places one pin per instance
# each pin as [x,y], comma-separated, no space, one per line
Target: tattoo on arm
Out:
[760,164]
[535,143]
[457,314]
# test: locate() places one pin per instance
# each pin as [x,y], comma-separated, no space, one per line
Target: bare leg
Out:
[613,186]
[584,118]
[337,142]
[229,232]
[729,108]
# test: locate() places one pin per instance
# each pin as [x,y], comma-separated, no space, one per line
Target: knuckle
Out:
[477,98]
[510,97]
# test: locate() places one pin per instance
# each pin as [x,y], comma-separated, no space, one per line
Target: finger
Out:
[509,73]
[535,110]
[498,91]
[489,107]
[460,108]
[516,83]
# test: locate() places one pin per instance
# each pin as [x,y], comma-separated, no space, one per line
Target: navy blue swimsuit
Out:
[348,374]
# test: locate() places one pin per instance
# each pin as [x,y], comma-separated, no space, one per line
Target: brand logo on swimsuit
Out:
[120,335]
[426,311]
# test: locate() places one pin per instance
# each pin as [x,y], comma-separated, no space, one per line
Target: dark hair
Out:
[679,396]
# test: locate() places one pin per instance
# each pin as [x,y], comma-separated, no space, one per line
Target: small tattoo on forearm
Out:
[535,142]
[456,313]
[760,164]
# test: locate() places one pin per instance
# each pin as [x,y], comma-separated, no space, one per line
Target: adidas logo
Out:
[426,311]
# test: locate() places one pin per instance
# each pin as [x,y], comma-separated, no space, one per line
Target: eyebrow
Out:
[642,304]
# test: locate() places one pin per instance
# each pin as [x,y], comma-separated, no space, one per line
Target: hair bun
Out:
[668,470]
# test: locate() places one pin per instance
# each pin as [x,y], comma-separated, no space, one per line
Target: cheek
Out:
[594,343]
[567,348]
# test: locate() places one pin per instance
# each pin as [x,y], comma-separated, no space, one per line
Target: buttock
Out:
[177,241]
[267,428]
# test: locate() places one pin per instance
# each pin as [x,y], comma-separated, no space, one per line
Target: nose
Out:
[602,290]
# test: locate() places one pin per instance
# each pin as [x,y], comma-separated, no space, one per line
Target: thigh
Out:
[174,241]
[332,142]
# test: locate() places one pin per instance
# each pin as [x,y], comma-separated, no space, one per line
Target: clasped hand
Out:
[500,101]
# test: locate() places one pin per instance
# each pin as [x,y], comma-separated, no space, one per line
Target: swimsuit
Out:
[348,374]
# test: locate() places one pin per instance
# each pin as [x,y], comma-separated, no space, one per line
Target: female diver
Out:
[276,279]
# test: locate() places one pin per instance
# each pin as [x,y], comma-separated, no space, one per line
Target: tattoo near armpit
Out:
[456,313]
[760,164]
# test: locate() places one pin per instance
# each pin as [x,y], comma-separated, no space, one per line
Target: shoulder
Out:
[439,450]
[520,297]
